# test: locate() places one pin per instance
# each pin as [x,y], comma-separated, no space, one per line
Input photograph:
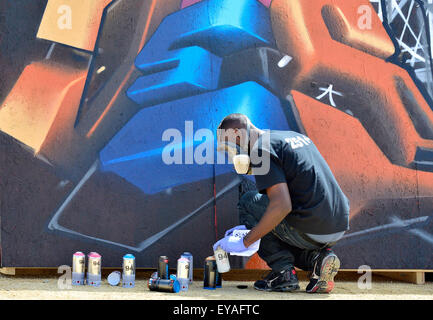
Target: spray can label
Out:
[128,265]
[191,264]
[78,262]
[222,260]
[183,266]
[94,264]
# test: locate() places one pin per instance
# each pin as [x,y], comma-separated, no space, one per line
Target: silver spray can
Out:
[210,273]
[163,270]
[78,268]
[128,275]
[222,260]
[191,264]
[183,267]
[94,269]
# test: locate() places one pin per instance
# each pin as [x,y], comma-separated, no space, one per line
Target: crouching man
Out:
[299,211]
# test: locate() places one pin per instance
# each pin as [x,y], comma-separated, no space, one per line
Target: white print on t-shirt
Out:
[298,141]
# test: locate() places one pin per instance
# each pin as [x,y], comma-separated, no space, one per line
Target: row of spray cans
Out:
[160,280]
[94,270]
[163,281]
[213,268]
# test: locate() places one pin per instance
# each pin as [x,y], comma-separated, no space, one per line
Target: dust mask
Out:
[237,155]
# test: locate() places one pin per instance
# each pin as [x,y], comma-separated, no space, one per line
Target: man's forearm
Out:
[274,214]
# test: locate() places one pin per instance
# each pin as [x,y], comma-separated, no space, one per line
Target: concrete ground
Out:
[46,288]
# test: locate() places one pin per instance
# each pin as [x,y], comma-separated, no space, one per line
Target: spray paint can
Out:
[94,269]
[210,273]
[191,265]
[128,276]
[114,278]
[164,285]
[222,260]
[183,266]
[163,271]
[78,268]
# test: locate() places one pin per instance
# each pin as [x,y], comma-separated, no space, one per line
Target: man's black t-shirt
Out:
[319,206]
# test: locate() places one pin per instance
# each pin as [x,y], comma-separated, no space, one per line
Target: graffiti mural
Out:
[90,87]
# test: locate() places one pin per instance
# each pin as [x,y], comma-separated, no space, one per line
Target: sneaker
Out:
[283,281]
[326,265]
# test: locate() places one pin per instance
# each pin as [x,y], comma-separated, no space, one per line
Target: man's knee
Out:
[247,198]
[250,208]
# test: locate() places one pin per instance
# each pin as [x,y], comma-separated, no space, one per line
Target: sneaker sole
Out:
[280,289]
[328,271]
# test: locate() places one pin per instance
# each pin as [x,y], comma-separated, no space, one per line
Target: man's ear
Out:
[238,138]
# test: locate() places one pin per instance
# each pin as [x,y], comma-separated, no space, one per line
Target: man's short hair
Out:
[234,121]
